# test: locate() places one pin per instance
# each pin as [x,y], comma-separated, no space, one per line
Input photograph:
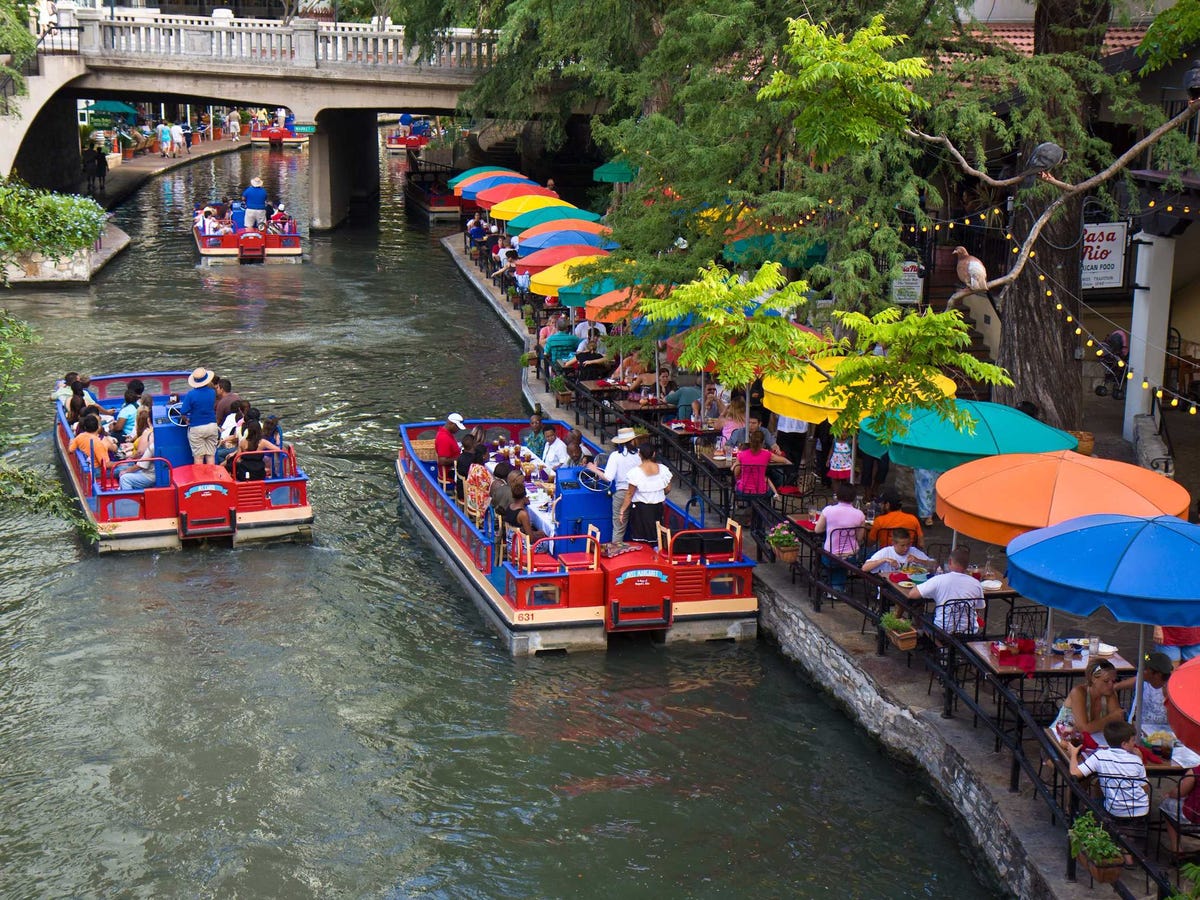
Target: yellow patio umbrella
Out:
[797,398]
[548,281]
[512,208]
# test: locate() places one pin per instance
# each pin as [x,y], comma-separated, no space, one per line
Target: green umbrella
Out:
[453,182]
[771,246]
[931,442]
[111,106]
[580,293]
[613,172]
[549,214]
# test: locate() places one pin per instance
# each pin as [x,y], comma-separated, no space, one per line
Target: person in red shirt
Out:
[446,445]
[1180,643]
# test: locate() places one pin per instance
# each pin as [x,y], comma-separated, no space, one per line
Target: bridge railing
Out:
[303,42]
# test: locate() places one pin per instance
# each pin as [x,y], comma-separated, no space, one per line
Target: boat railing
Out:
[703,544]
[543,555]
[106,388]
[277,463]
[454,519]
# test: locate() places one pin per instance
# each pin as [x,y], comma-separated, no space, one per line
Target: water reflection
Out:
[336,719]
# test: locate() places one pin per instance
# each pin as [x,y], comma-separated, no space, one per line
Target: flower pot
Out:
[126,153]
[1108,872]
[786,555]
[1087,442]
[903,640]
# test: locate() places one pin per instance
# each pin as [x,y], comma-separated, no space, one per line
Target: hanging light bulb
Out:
[1099,351]
[1078,331]
[1192,410]
[1174,401]
[1145,384]
[1090,342]
[1158,394]
[1121,365]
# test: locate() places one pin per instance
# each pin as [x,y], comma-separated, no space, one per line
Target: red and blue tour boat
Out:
[276,136]
[278,243]
[572,589]
[187,502]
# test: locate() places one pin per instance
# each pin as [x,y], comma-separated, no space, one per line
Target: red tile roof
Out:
[1019,36]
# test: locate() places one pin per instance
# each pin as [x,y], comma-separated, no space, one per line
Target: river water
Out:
[335,720]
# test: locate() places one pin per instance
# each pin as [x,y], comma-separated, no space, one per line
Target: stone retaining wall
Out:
[905,733]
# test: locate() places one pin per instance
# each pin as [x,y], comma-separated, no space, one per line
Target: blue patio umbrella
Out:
[472,190]
[559,238]
[931,442]
[1140,569]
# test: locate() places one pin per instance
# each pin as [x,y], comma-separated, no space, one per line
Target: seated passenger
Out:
[126,418]
[479,481]
[280,214]
[63,392]
[577,454]
[93,444]
[212,227]
[499,491]
[462,465]
[554,451]
[516,515]
[536,439]
[231,430]
[140,475]
[251,467]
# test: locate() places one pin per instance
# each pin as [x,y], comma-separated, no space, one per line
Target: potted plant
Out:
[784,543]
[899,631]
[563,394]
[1093,846]
[528,358]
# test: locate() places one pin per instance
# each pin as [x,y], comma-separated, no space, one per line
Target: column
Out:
[329,176]
[364,154]
[1151,316]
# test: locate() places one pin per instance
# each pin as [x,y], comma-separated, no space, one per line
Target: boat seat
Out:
[576,559]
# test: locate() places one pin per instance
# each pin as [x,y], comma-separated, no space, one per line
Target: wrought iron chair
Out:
[1026,621]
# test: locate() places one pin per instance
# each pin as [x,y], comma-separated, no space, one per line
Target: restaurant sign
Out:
[1103,263]
[909,288]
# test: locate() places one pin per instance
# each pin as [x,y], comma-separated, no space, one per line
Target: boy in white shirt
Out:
[895,557]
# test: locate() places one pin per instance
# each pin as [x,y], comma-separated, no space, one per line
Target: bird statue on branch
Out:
[971,271]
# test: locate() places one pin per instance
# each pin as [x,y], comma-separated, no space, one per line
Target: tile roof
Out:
[1019,36]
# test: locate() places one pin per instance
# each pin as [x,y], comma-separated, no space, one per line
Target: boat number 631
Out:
[524,617]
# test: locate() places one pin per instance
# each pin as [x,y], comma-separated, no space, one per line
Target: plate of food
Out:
[991,584]
[1106,649]
[906,584]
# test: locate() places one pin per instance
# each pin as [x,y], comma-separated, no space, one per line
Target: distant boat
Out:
[187,502]
[574,590]
[277,136]
[426,191]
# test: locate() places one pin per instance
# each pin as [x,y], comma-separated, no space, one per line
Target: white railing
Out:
[303,42]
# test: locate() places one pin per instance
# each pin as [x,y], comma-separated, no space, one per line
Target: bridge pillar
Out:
[343,160]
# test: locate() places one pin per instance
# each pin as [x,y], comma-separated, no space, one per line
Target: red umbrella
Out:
[1182,695]
[552,256]
[501,192]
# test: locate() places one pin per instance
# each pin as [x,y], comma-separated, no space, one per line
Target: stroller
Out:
[1115,352]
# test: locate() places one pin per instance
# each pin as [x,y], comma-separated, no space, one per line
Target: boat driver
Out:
[199,408]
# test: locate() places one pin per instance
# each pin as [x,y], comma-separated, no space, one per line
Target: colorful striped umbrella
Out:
[552,256]
[548,281]
[480,170]
[562,238]
[562,224]
[472,186]
[513,207]
[538,216]
[494,196]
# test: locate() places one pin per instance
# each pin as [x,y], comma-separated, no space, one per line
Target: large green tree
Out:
[742,125]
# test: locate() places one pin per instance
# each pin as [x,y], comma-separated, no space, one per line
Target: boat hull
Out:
[592,601]
[234,249]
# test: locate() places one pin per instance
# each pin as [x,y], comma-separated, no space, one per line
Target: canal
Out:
[336,720]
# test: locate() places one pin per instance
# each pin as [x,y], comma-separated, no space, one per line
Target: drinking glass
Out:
[1093,645]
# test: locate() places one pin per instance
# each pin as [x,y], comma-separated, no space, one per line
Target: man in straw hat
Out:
[256,203]
[620,462]
[199,409]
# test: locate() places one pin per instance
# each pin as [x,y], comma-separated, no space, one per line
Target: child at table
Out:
[897,555]
[1122,775]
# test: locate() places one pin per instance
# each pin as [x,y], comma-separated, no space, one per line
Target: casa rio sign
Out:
[1103,262]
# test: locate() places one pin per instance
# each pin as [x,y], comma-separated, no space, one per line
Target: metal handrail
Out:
[55,39]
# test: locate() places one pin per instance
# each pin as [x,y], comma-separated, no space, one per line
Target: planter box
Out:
[1107,873]
[786,555]
[903,640]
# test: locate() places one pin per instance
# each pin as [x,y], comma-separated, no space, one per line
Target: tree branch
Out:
[1068,190]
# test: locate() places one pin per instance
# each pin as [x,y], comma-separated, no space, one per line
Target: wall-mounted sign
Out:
[909,288]
[1103,263]
[305,129]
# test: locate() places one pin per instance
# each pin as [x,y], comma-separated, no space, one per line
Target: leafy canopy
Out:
[853,77]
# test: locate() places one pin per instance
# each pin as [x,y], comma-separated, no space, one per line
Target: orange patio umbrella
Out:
[563,225]
[997,498]
[552,256]
[510,209]
[611,307]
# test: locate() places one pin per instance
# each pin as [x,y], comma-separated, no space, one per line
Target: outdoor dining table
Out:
[540,493]
[1042,677]
[654,408]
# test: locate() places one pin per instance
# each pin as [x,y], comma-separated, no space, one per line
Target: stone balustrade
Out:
[302,43]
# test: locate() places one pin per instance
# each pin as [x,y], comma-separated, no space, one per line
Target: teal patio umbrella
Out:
[548,214]
[581,292]
[931,442]
[613,172]
[111,106]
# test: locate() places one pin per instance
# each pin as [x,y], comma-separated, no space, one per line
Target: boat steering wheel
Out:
[592,481]
[175,417]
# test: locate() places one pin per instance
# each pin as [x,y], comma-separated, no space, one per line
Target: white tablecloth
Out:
[540,503]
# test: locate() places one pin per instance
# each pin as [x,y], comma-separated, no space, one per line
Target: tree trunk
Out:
[1039,344]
